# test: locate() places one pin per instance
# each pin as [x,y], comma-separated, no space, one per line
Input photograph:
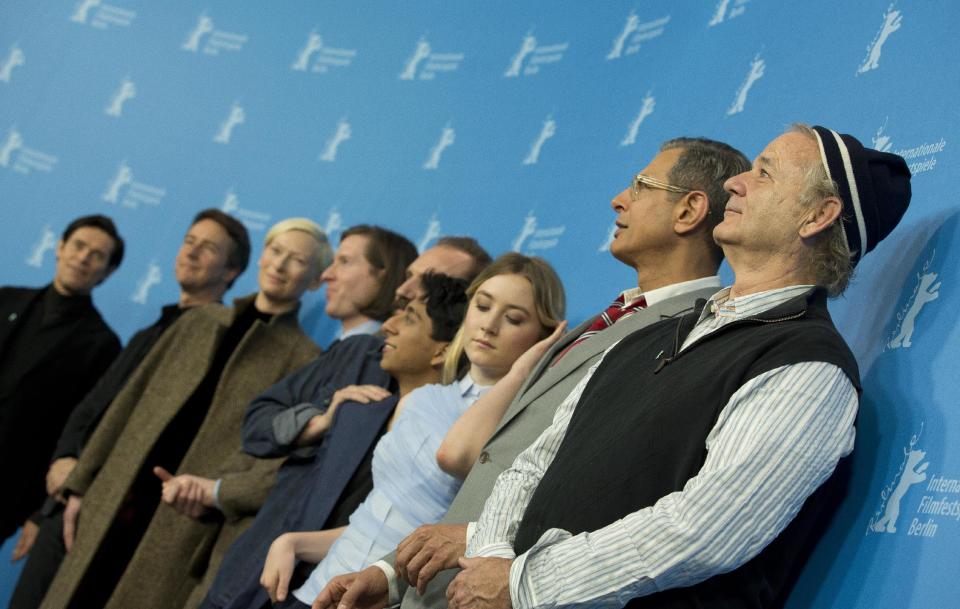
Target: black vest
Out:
[640,427]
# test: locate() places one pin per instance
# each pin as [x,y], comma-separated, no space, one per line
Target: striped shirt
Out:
[777,439]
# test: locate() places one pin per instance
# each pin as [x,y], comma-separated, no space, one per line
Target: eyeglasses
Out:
[641,180]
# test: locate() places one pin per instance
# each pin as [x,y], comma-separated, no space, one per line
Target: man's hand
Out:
[278,568]
[71,514]
[28,536]
[57,475]
[367,589]
[319,425]
[429,550]
[190,495]
[484,583]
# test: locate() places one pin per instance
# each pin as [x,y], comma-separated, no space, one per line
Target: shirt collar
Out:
[367,327]
[469,387]
[721,305]
[669,291]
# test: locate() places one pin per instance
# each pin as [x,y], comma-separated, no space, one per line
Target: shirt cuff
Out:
[471,529]
[521,596]
[216,494]
[393,591]
[495,550]
[288,424]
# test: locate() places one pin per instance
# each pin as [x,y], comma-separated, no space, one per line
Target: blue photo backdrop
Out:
[514,122]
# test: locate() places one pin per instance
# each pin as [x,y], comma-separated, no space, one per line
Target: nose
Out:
[736,185]
[387,326]
[619,202]
[193,250]
[407,290]
[328,273]
[491,325]
[86,256]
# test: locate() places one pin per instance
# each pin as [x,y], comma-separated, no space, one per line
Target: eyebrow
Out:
[509,306]
[767,162]
[201,240]
[413,311]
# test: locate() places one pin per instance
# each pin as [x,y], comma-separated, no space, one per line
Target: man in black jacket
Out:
[53,347]
[215,251]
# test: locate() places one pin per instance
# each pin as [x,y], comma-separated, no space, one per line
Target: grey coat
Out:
[175,550]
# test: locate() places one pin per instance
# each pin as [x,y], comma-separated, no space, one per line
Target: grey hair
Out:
[706,165]
[831,259]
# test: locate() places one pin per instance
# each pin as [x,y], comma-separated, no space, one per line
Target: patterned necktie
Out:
[616,311]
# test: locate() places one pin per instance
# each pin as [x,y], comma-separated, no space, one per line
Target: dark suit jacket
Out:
[55,373]
[299,502]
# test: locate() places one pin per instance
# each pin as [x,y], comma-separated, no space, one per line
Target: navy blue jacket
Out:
[309,486]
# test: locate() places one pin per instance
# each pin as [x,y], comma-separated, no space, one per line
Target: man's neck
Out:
[353,321]
[201,297]
[66,292]
[269,306]
[673,268]
[760,273]
[408,383]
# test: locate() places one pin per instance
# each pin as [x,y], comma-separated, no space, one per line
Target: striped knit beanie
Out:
[874,187]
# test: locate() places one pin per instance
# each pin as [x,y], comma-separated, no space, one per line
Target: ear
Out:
[821,217]
[439,355]
[316,282]
[230,275]
[59,251]
[690,212]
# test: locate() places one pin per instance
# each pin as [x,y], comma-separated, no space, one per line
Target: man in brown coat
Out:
[182,410]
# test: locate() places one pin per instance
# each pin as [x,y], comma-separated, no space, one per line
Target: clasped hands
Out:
[484,583]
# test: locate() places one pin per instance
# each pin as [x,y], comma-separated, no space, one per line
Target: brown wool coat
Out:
[176,551]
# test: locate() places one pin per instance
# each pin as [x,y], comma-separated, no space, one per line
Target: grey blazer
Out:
[528,415]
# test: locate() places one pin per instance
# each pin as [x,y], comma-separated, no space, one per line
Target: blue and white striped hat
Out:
[874,186]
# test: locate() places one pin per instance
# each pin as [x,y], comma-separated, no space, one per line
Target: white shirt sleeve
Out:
[778,438]
[496,528]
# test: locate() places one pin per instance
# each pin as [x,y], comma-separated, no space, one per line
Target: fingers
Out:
[282,585]
[20,550]
[170,491]
[407,550]
[28,536]
[416,563]
[427,573]
[163,474]
[546,343]
[268,580]
[70,516]
[51,481]
[330,595]
[452,591]
[349,598]
[363,394]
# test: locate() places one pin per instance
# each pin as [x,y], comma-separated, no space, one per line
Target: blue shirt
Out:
[409,488]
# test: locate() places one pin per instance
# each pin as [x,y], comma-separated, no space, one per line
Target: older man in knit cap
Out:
[695,464]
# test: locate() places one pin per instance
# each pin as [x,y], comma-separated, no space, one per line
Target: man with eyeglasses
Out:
[664,220]
[700,460]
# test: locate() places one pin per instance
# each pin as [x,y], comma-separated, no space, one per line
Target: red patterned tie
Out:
[616,311]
